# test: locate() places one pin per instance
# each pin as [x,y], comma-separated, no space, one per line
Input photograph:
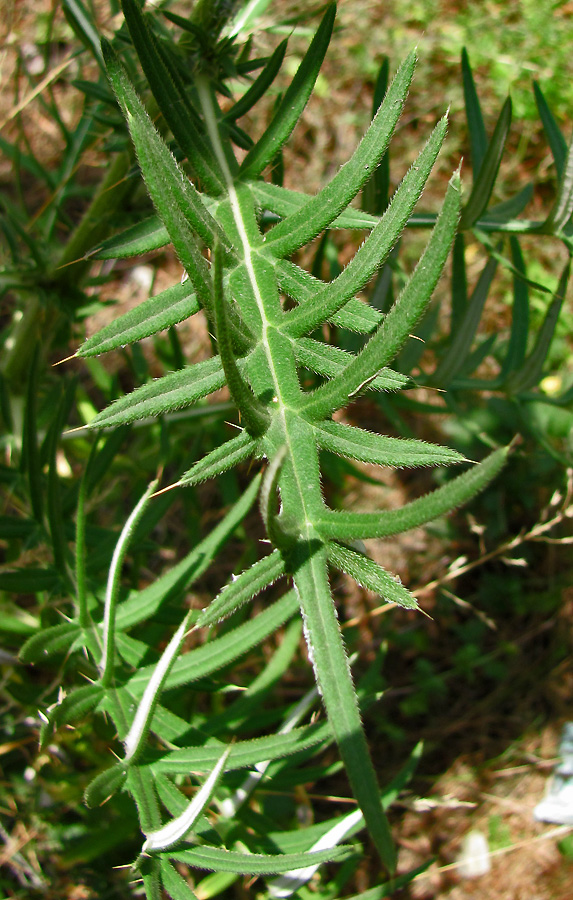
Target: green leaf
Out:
[334,680]
[171,392]
[563,206]
[303,287]
[370,575]
[555,138]
[176,200]
[377,190]
[375,250]
[457,353]
[329,360]
[398,323]
[222,458]
[349,526]
[147,235]
[174,883]
[57,639]
[28,581]
[517,346]
[293,102]
[223,650]
[70,710]
[300,227]
[244,753]
[172,100]
[105,785]
[243,588]
[260,86]
[284,201]
[531,372]
[476,127]
[220,860]
[144,604]
[485,179]
[365,446]
[155,314]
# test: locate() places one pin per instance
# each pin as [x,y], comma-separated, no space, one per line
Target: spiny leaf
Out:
[243,588]
[222,458]
[149,234]
[244,753]
[221,860]
[476,127]
[365,446]
[284,202]
[144,604]
[299,228]
[531,371]
[555,138]
[398,323]
[375,250]
[172,100]
[370,575]
[485,180]
[171,392]
[293,102]
[253,412]
[56,639]
[457,353]
[105,785]
[174,883]
[260,86]
[223,650]
[303,287]
[70,709]
[349,526]
[330,360]
[155,314]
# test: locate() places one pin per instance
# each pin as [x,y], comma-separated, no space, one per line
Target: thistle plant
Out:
[265,315]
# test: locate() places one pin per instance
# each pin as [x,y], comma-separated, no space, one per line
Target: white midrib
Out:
[280,407]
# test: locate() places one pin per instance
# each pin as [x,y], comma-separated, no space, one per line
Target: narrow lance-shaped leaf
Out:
[563,206]
[138,732]
[517,346]
[173,583]
[485,180]
[401,319]
[457,353]
[284,202]
[557,142]
[329,360]
[174,883]
[321,210]
[287,884]
[222,458]
[349,526]
[172,100]
[143,237]
[531,371]
[476,127]
[113,584]
[178,828]
[243,588]
[171,392]
[260,85]
[293,102]
[221,860]
[365,446]
[155,314]
[370,575]
[334,679]
[174,197]
[376,191]
[375,249]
